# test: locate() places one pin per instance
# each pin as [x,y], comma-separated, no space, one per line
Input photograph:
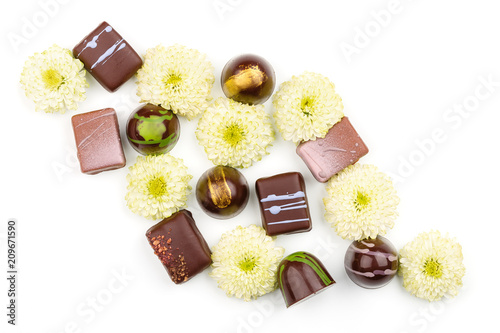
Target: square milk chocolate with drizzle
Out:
[341,147]
[108,57]
[283,204]
[98,142]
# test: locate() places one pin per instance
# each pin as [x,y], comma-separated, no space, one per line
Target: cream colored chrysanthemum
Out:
[177,78]
[306,107]
[245,262]
[157,186]
[54,80]
[431,266]
[235,134]
[361,202]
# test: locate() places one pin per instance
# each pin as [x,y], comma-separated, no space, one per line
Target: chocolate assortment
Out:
[248,79]
[180,246]
[152,129]
[371,263]
[301,275]
[108,57]
[341,147]
[98,141]
[283,204]
[222,192]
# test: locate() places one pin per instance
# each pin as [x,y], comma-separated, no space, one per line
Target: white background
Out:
[76,232]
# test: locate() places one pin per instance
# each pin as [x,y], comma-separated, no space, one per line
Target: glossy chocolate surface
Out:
[180,246]
[283,204]
[327,156]
[300,276]
[152,129]
[98,143]
[248,79]
[108,57]
[222,192]
[371,263]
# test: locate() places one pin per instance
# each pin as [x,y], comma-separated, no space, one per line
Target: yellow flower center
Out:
[306,105]
[247,264]
[433,268]
[362,200]
[173,80]
[233,134]
[157,186]
[52,79]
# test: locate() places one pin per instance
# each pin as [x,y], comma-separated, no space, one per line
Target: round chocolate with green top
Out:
[301,275]
[152,130]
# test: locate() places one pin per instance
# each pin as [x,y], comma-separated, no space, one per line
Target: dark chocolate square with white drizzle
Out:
[283,204]
[108,57]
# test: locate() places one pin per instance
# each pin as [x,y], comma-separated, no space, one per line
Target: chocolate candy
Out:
[152,129]
[248,79]
[283,204]
[371,263]
[180,246]
[98,143]
[301,275]
[108,57]
[327,156]
[222,192]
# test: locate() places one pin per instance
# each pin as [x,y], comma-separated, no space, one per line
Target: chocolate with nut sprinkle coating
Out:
[180,246]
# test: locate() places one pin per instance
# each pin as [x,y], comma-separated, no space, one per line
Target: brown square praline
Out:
[341,147]
[98,143]
[283,204]
[108,57]
[180,246]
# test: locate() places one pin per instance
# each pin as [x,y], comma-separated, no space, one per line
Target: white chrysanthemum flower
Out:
[431,266]
[361,202]
[245,262]
[157,186]
[54,80]
[177,78]
[306,107]
[235,134]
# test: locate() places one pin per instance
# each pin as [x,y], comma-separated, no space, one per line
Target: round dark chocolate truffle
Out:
[222,192]
[248,79]
[153,130]
[371,263]
[301,275]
